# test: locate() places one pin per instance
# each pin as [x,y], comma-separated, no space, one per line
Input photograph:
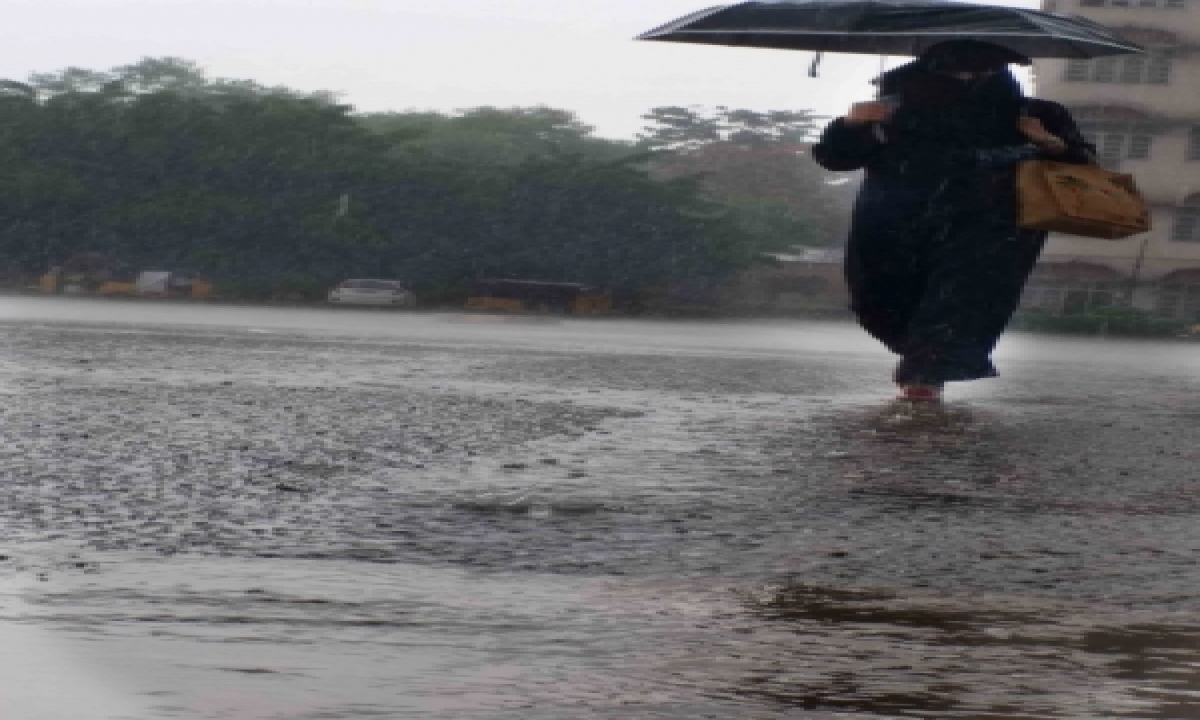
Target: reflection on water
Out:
[270,638]
[937,422]
[344,515]
[882,652]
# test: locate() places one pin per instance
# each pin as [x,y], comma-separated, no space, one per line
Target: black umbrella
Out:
[891,27]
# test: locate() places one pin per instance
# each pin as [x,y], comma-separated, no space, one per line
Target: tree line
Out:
[155,165]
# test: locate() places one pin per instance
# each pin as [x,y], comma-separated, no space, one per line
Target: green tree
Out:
[153,75]
[757,164]
[156,165]
[684,129]
[493,136]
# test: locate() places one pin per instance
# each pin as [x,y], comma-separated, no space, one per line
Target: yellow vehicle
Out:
[56,281]
[117,287]
[521,296]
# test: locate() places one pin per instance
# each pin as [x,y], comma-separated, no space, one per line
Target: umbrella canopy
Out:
[891,27]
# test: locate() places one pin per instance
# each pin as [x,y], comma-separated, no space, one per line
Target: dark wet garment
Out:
[935,261]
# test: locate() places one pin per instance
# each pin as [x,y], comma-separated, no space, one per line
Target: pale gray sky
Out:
[440,54]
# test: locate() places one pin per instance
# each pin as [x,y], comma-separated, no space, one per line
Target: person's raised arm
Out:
[849,142]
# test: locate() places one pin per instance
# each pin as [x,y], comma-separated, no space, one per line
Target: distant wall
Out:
[788,287]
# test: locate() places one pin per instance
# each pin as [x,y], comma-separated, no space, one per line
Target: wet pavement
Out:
[218,512]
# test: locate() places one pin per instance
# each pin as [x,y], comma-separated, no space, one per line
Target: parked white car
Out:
[372,292]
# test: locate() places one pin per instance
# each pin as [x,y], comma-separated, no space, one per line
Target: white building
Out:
[1143,113]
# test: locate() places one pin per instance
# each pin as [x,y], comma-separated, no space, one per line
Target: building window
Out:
[1133,69]
[1139,147]
[1153,68]
[1113,147]
[1193,151]
[1157,67]
[1187,225]
[1077,70]
[1071,297]
[1179,300]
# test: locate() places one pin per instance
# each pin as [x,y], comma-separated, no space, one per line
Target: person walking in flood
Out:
[935,261]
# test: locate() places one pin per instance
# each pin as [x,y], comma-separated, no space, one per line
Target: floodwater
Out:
[248,513]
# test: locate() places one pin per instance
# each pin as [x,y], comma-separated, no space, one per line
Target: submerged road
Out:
[219,512]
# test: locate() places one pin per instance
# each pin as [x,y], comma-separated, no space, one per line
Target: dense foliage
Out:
[154,165]
[757,165]
[1117,320]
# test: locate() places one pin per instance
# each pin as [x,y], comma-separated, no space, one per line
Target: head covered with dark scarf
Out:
[973,56]
[930,79]
[985,101]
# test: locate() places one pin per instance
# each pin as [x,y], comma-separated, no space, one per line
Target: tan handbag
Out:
[1079,200]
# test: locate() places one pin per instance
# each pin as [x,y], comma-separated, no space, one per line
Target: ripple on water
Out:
[334,637]
[589,534]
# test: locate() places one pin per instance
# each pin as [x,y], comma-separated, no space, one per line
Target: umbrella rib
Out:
[900,33]
[1043,34]
[698,15]
[866,33]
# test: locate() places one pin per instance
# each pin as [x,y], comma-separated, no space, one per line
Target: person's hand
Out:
[867,112]
[1033,129]
[1037,133]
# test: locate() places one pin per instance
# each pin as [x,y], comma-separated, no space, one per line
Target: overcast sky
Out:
[439,54]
